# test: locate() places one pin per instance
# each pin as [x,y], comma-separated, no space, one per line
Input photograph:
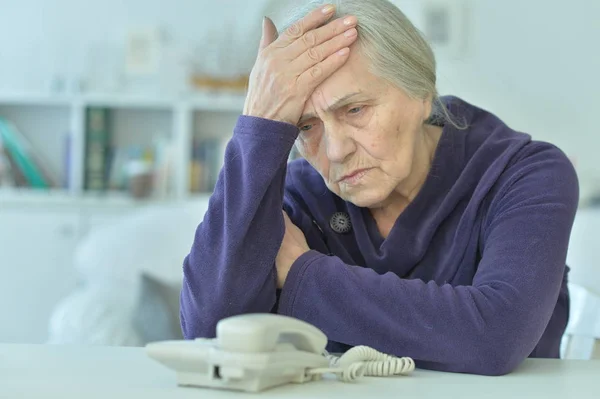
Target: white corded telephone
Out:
[254,352]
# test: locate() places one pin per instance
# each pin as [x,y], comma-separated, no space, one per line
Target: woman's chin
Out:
[364,197]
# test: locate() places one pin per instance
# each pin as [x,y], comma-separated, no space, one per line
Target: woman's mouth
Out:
[354,177]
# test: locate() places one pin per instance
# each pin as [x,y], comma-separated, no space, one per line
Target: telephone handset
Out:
[254,333]
[254,352]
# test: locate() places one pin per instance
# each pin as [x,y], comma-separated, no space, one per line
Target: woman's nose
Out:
[339,145]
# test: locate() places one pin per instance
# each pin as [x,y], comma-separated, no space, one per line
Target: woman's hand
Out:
[293,245]
[289,67]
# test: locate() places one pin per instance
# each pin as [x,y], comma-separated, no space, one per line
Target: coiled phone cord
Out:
[365,361]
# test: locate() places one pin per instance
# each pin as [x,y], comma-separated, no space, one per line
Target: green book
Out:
[21,155]
[97,145]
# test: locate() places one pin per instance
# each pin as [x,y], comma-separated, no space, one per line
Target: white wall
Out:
[39,37]
[535,63]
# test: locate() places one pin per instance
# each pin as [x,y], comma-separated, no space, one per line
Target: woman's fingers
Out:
[317,54]
[269,33]
[311,21]
[316,37]
[316,74]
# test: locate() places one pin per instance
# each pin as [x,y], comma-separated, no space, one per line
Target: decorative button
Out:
[340,223]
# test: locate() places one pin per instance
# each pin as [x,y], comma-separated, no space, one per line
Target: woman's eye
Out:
[355,110]
[306,128]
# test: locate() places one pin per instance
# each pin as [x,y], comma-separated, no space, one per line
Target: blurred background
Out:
[114,116]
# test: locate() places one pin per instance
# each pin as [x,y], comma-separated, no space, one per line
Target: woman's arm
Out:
[229,269]
[489,327]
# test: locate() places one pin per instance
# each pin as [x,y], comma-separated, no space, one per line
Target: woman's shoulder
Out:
[540,176]
[507,168]
[511,154]
[543,163]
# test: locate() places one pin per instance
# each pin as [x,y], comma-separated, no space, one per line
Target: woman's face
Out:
[361,134]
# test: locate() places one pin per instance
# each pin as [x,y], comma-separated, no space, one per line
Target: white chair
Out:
[115,305]
[583,332]
[583,256]
[582,336]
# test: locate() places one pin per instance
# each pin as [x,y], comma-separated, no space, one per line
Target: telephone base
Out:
[202,363]
[253,382]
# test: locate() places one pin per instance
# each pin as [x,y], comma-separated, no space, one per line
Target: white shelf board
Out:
[116,100]
[215,102]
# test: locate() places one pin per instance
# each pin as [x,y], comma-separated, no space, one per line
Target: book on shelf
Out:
[154,159]
[97,148]
[122,168]
[206,163]
[10,174]
[20,164]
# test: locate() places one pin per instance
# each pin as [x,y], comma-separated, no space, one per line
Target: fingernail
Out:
[327,9]
[343,51]
[350,33]
[348,21]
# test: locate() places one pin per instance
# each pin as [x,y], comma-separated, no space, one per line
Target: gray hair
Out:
[395,49]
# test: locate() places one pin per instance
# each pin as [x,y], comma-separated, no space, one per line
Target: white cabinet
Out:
[36,247]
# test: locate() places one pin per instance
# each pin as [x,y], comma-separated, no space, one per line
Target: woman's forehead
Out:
[352,78]
[354,75]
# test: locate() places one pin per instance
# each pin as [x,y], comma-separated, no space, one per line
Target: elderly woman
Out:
[420,226]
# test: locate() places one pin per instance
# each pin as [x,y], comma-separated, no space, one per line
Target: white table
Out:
[30,371]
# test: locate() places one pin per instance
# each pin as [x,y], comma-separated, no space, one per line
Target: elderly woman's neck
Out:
[386,214]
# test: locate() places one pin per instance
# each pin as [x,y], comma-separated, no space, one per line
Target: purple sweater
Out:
[471,278]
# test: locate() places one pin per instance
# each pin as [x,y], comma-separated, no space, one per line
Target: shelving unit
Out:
[50,122]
